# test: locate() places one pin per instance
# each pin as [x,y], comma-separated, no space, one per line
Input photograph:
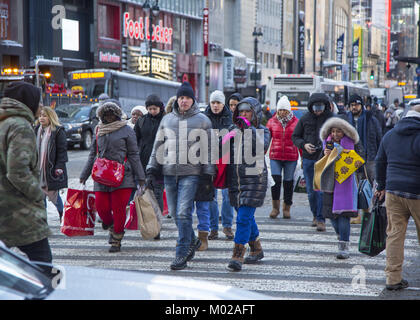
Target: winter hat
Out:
[102,97]
[284,104]
[112,106]
[185,90]
[217,96]
[142,109]
[154,100]
[24,92]
[355,98]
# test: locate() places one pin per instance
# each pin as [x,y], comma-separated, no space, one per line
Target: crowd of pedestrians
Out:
[33,170]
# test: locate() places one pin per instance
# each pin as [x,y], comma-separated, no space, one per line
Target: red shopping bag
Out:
[220,181]
[165,204]
[132,221]
[79,213]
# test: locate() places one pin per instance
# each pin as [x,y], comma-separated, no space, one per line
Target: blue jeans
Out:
[341,226]
[59,205]
[246,227]
[203,215]
[287,167]
[227,211]
[180,194]
[314,197]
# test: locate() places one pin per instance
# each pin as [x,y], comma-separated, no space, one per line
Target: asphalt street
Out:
[299,262]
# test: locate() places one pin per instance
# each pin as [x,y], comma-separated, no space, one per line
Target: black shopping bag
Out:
[372,239]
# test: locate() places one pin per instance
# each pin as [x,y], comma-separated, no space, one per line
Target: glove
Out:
[243,123]
[150,181]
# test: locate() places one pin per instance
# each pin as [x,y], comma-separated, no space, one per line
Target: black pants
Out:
[38,251]
[287,190]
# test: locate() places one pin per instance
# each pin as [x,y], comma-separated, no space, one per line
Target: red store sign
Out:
[206,32]
[140,30]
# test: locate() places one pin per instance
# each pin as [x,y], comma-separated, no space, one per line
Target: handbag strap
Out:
[97,148]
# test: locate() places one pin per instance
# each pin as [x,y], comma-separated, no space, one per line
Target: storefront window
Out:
[109,21]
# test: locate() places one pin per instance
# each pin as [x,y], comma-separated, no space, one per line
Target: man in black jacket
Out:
[306,137]
[146,129]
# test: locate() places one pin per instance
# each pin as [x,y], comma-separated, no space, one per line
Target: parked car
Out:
[79,121]
[22,279]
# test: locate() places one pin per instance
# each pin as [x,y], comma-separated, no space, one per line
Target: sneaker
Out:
[179,263]
[320,226]
[214,234]
[401,285]
[228,232]
[195,244]
[168,216]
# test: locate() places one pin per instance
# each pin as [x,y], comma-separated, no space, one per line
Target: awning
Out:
[239,58]
[331,63]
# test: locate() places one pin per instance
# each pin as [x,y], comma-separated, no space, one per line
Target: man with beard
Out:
[370,134]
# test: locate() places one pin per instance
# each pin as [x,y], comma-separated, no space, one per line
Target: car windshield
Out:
[20,277]
[73,111]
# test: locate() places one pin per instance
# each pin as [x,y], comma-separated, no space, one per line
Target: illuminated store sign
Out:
[139,30]
[162,63]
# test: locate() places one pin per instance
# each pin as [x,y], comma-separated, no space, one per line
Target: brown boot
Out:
[276,209]
[202,235]
[235,263]
[116,241]
[228,233]
[255,252]
[286,211]
[214,234]
[357,220]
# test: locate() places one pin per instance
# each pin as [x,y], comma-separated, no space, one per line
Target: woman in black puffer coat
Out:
[52,150]
[247,180]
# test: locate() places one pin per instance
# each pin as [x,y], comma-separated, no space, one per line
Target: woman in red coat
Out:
[283,156]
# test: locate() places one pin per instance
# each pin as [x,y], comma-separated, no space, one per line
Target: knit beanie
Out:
[154,100]
[355,98]
[142,109]
[185,90]
[24,92]
[284,104]
[217,96]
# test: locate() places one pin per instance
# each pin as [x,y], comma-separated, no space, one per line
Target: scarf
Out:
[284,121]
[42,139]
[103,129]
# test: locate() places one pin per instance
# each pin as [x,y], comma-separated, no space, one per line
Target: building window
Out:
[109,22]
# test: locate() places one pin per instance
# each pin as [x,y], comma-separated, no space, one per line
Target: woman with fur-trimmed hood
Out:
[339,200]
[114,140]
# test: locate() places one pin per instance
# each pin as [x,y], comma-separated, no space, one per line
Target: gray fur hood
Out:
[336,122]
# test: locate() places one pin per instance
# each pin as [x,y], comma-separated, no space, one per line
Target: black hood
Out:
[24,92]
[319,97]
[236,96]
[256,108]
[408,126]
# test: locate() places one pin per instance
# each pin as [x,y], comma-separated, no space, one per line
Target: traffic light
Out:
[372,75]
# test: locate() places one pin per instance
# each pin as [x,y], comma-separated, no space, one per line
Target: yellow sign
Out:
[294,103]
[159,65]
[88,75]
[347,164]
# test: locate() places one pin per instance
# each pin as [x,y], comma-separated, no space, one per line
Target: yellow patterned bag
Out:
[347,164]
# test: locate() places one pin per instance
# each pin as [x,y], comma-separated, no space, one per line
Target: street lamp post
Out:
[151,11]
[350,57]
[321,51]
[256,34]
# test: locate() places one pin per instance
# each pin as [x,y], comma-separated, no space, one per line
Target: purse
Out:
[107,172]
[364,193]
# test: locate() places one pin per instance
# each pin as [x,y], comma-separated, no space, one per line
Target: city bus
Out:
[129,89]
[299,87]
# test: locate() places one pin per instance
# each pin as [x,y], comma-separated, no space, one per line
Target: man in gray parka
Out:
[182,159]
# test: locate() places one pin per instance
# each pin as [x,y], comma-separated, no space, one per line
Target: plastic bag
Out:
[79,213]
[372,239]
[148,214]
[299,179]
